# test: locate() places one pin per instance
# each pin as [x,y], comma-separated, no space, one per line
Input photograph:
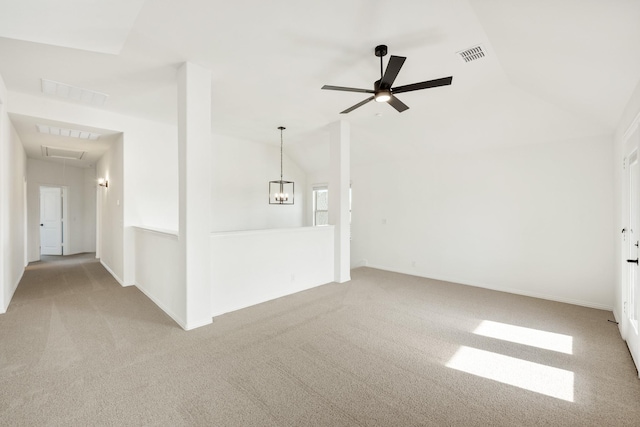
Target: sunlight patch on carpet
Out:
[527,336]
[520,373]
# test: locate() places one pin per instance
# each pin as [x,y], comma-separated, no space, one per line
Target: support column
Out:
[339,183]
[194,156]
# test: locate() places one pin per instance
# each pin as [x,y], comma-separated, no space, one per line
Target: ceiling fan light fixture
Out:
[383,96]
[383,89]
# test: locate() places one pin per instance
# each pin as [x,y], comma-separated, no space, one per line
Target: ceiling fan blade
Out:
[358,105]
[347,89]
[423,85]
[397,104]
[393,68]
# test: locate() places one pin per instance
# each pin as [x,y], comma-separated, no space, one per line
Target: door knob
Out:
[633,261]
[41,225]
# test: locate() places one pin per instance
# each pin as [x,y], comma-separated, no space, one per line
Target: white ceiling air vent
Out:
[62,153]
[63,90]
[72,133]
[472,54]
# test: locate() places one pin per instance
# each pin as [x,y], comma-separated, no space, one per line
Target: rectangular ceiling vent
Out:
[72,133]
[472,54]
[65,91]
[62,153]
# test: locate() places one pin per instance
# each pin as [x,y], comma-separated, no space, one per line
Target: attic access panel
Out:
[62,153]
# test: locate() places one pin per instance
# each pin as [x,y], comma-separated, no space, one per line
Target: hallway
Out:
[70,310]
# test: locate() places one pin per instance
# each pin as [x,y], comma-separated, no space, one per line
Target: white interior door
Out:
[630,291]
[50,221]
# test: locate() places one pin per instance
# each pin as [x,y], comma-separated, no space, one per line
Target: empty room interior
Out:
[319,213]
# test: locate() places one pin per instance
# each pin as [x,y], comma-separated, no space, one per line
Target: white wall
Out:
[630,116]
[12,207]
[534,220]
[250,267]
[194,190]
[111,212]
[89,212]
[245,270]
[157,272]
[151,171]
[81,221]
[241,171]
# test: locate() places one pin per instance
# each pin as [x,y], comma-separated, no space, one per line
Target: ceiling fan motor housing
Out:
[381,50]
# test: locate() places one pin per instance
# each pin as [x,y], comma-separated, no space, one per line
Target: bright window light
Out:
[520,335]
[520,373]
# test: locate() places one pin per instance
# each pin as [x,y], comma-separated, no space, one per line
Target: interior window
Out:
[320,206]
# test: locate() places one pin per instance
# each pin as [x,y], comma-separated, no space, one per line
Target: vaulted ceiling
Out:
[553,70]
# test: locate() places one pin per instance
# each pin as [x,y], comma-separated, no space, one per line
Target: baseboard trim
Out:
[269,298]
[4,309]
[616,317]
[359,263]
[195,325]
[15,285]
[181,322]
[115,276]
[498,288]
[236,308]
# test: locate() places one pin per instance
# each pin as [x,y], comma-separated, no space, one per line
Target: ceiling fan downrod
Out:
[380,51]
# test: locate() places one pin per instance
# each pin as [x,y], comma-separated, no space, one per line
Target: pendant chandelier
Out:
[281,192]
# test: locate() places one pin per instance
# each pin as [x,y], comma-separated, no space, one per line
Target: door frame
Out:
[631,147]
[98,223]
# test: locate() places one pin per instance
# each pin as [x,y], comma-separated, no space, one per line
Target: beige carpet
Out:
[385,349]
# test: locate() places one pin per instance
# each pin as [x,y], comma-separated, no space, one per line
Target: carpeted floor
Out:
[384,349]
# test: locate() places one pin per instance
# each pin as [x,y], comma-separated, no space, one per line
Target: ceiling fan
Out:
[382,90]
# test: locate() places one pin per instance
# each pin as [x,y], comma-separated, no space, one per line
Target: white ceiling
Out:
[553,70]
[99,26]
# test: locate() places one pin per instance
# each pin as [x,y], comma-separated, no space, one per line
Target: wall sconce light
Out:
[103,183]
